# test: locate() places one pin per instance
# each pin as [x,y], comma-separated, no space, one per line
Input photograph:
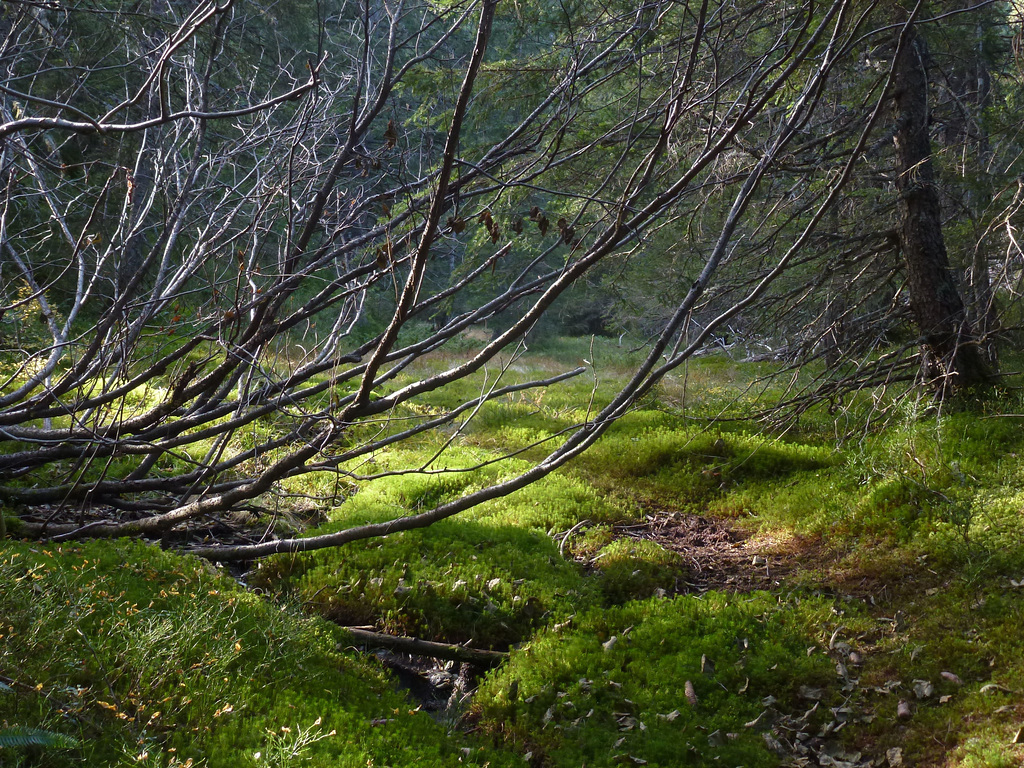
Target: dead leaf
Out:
[843,714]
[894,757]
[566,231]
[904,710]
[835,634]
[384,254]
[806,716]
[763,721]
[951,678]
[923,689]
[774,745]
[390,134]
[691,695]
[994,688]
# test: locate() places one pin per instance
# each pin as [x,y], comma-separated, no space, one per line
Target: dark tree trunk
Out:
[951,358]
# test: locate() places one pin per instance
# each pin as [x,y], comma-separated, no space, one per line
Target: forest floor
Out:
[719,555]
[686,593]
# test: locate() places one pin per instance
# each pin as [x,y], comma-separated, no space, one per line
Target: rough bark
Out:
[951,359]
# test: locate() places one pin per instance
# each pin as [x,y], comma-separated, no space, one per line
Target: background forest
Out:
[667,351]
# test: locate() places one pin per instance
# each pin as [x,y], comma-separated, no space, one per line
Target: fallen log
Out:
[419,647]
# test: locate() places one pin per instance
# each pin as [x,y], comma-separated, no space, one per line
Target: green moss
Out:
[923,516]
[153,659]
[635,568]
[613,686]
[459,581]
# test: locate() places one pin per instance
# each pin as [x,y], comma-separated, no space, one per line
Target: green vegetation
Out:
[662,681]
[120,654]
[891,570]
[660,356]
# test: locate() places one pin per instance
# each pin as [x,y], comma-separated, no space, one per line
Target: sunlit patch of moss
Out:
[458,580]
[660,680]
[993,523]
[153,659]
[329,489]
[811,502]
[591,539]
[410,481]
[555,504]
[954,653]
[991,751]
[668,462]
[717,385]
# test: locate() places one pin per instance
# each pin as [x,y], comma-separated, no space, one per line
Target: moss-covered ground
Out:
[899,638]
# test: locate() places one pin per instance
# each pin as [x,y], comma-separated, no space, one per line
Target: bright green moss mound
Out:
[664,460]
[148,658]
[613,687]
[458,580]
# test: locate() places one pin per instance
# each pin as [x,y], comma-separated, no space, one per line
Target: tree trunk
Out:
[951,360]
